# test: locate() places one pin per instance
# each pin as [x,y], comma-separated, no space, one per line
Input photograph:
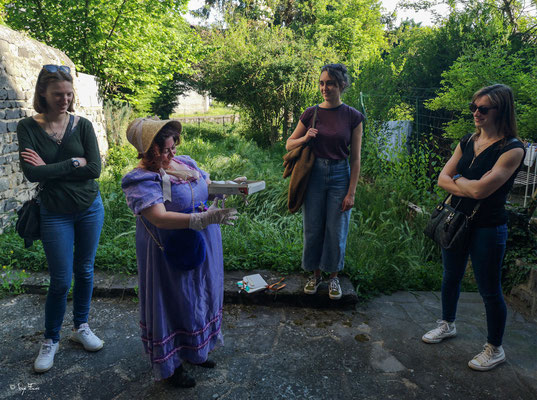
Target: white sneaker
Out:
[443,331]
[45,359]
[488,358]
[88,339]
[334,289]
[312,284]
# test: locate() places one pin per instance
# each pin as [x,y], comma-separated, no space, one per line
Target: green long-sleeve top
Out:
[67,189]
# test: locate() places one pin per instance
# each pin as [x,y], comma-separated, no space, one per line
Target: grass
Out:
[386,248]
[214,110]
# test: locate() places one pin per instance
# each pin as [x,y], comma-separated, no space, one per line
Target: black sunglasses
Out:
[55,68]
[482,109]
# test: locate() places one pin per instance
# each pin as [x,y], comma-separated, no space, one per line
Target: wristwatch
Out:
[75,163]
[457,176]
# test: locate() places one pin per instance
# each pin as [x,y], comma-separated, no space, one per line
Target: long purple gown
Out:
[180,311]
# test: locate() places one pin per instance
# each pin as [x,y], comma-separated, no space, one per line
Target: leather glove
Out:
[214,215]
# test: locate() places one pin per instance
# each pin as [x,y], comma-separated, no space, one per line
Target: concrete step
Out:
[118,285]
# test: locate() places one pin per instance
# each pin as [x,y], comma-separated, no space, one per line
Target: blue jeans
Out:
[61,233]
[325,226]
[486,249]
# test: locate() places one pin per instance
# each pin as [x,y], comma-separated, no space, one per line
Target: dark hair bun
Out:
[339,73]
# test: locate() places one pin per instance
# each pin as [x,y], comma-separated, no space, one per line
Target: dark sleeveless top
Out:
[492,210]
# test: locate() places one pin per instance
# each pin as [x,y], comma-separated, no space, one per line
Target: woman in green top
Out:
[71,208]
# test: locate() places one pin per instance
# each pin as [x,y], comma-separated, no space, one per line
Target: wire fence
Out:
[424,120]
[228,119]
[425,123]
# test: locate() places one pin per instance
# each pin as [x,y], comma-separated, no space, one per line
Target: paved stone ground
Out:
[371,352]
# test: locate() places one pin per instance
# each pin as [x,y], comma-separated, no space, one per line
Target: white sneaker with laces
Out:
[443,331]
[490,357]
[45,359]
[334,289]
[87,338]
[312,284]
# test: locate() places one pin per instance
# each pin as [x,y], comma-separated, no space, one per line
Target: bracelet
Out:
[457,176]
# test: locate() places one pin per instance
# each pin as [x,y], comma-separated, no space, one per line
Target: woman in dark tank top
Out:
[482,168]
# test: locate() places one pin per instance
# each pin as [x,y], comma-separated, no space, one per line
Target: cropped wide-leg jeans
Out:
[325,225]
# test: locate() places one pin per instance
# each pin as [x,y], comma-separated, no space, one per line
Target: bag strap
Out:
[161,247]
[464,142]
[313,125]
[474,211]
[314,116]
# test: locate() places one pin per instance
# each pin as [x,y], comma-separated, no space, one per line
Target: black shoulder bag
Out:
[448,226]
[28,221]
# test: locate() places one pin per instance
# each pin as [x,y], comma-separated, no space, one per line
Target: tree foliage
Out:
[480,42]
[133,46]
[169,92]
[268,59]
[500,47]
[352,29]
[269,73]
[482,67]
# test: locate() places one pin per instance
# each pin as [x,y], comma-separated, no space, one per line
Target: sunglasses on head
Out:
[482,109]
[55,68]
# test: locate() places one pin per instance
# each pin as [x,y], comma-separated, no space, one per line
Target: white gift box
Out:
[230,187]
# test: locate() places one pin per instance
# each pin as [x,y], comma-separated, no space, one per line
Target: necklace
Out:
[485,143]
[56,136]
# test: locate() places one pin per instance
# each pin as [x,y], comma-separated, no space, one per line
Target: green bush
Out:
[270,74]
[12,252]
[11,279]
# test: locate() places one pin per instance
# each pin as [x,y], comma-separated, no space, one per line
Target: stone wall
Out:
[21,59]
[192,102]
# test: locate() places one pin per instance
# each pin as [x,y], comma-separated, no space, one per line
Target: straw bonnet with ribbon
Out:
[142,131]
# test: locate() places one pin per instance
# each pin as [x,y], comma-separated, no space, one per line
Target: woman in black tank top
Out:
[482,168]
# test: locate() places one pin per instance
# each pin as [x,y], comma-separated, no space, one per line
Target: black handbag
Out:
[28,222]
[27,225]
[449,227]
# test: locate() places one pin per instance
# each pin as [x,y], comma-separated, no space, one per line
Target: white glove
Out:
[214,215]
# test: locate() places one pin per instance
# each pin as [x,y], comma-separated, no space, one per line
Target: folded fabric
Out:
[298,163]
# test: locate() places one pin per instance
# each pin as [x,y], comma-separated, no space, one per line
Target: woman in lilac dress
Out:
[178,250]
